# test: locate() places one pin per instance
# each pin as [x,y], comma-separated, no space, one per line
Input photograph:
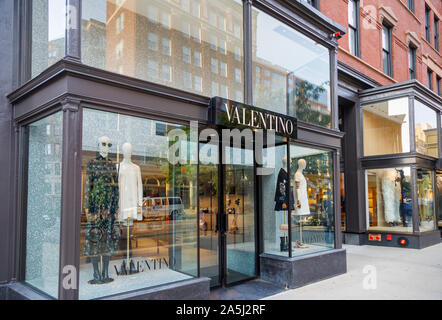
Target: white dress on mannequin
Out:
[302,195]
[130,190]
[391,199]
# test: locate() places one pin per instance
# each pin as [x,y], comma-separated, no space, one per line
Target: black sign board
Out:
[231,114]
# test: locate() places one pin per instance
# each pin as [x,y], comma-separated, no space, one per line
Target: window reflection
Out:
[426,130]
[138,222]
[425,194]
[168,42]
[291,72]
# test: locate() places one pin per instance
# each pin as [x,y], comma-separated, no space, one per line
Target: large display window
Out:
[426,130]
[439,196]
[386,127]
[43,205]
[389,200]
[313,220]
[195,46]
[426,205]
[139,210]
[291,73]
[300,189]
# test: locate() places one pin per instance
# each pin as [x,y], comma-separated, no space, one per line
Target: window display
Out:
[425,194]
[139,214]
[43,208]
[426,130]
[313,218]
[389,200]
[439,194]
[386,127]
[275,191]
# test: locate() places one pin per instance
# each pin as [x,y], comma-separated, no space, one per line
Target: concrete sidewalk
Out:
[402,274]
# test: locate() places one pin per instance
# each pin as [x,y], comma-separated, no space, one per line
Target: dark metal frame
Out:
[297,15]
[357,29]
[412,90]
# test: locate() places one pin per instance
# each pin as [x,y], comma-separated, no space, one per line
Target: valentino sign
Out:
[233,114]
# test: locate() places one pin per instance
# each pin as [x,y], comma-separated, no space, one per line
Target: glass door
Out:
[238,233]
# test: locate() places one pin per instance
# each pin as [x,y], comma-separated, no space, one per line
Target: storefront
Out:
[103,212]
[392,153]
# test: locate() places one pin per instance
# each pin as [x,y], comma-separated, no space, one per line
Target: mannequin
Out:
[282,201]
[102,230]
[303,207]
[131,198]
[391,196]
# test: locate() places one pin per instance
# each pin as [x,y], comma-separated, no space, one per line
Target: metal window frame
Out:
[436,33]
[388,70]
[356,28]
[427,23]
[410,5]
[412,51]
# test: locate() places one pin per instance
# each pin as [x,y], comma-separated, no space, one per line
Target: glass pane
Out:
[426,130]
[275,199]
[313,222]
[209,214]
[439,194]
[425,194]
[352,40]
[389,200]
[212,34]
[48,33]
[240,211]
[343,209]
[386,38]
[352,13]
[386,127]
[139,218]
[295,72]
[44,203]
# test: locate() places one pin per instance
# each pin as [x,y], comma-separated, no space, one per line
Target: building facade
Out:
[391,53]
[98,107]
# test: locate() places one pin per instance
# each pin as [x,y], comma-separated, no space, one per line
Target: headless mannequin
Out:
[303,207]
[391,195]
[130,199]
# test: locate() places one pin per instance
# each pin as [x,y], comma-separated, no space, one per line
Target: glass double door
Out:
[227,218]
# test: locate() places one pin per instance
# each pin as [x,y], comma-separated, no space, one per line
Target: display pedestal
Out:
[300,271]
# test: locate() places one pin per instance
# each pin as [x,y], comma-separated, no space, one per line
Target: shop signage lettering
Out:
[237,115]
[150,265]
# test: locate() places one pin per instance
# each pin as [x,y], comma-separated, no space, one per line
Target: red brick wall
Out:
[370,62]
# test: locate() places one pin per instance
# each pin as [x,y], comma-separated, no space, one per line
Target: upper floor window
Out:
[412,62]
[386,50]
[313,3]
[353,26]
[430,79]
[436,33]
[427,24]
[438,84]
[410,4]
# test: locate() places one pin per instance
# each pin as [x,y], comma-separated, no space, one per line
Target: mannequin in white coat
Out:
[303,207]
[130,186]
[130,199]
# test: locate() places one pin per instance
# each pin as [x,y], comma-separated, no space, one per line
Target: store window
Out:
[425,194]
[188,34]
[48,34]
[44,203]
[139,208]
[313,220]
[275,188]
[306,191]
[386,127]
[297,82]
[389,200]
[426,130]
[439,196]
[387,57]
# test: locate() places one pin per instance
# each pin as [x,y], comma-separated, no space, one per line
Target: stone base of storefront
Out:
[300,271]
[194,289]
[411,241]
[355,239]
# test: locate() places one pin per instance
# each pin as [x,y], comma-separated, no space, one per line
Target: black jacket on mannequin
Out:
[281,195]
